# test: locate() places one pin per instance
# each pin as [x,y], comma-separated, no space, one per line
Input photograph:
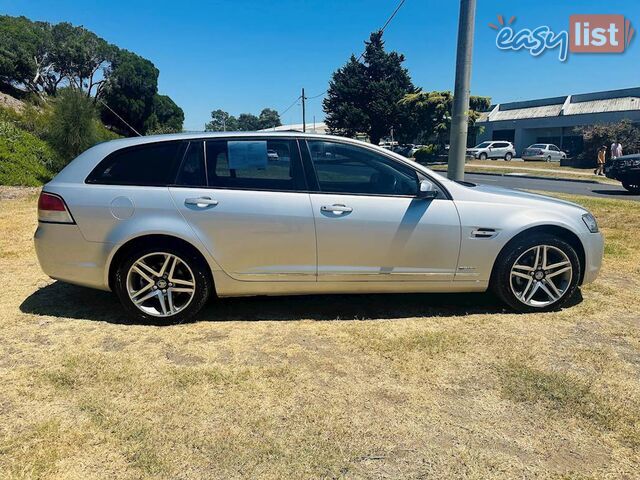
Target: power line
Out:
[121,119]
[386,24]
[289,107]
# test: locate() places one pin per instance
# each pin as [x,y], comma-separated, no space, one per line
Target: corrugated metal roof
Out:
[602,106]
[522,113]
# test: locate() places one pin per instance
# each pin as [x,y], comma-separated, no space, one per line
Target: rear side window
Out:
[147,165]
[255,164]
[192,171]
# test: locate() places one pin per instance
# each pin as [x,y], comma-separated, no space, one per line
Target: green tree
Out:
[167,117]
[248,122]
[363,97]
[25,59]
[269,118]
[73,126]
[81,57]
[130,91]
[426,116]
[624,131]
[221,121]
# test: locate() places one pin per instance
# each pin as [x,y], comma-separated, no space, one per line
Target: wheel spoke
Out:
[173,267]
[177,281]
[544,257]
[142,274]
[146,297]
[142,290]
[182,290]
[526,289]
[165,265]
[558,272]
[544,288]
[170,300]
[555,290]
[536,262]
[163,305]
[141,264]
[521,275]
[533,291]
[526,268]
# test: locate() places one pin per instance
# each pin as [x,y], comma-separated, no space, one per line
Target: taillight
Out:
[51,208]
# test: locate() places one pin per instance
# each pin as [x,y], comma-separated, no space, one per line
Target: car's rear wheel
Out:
[508,157]
[162,285]
[483,156]
[548,159]
[536,274]
[632,187]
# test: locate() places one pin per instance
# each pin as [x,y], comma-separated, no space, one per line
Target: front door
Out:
[370,225]
[247,202]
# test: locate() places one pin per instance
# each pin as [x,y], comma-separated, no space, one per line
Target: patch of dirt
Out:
[15,193]
[8,101]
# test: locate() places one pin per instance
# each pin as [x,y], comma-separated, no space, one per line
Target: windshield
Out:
[483,145]
[538,145]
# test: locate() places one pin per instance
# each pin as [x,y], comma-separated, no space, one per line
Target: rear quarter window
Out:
[146,165]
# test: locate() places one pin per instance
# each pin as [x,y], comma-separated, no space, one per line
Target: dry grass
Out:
[411,386]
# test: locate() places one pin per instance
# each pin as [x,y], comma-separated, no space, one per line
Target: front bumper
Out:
[65,255]
[593,244]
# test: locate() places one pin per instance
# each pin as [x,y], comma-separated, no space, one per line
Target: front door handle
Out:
[336,208]
[201,202]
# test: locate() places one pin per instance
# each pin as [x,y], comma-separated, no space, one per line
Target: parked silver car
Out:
[496,149]
[545,152]
[167,221]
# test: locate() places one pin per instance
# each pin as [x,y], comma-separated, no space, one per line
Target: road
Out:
[577,188]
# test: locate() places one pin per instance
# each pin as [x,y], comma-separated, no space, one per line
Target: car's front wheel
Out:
[483,156]
[162,285]
[632,187]
[538,273]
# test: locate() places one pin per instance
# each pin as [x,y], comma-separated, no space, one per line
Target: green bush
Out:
[425,154]
[24,158]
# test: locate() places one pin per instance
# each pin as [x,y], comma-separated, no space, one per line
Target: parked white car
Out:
[545,152]
[497,149]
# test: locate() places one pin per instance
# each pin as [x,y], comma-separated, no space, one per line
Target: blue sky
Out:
[242,56]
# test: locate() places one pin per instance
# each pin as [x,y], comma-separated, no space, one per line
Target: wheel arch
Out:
[155,240]
[558,231]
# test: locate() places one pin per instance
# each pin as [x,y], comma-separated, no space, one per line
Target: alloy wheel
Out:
[160,284]
[541,276]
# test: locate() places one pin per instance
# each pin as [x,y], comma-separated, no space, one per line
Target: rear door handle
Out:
[337,208]
[201,202]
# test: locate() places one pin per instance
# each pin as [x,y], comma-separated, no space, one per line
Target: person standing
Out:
[616,149]
[602,155]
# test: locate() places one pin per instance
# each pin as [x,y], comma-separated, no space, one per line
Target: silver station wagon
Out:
[168,221]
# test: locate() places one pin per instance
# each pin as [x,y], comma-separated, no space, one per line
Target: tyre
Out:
[632,187]
[483,156]
[162,285]
[536,274]
[548,159]
[508,157]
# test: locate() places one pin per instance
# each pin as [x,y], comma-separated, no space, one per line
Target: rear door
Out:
[247,201]
[499,149]
[370,225]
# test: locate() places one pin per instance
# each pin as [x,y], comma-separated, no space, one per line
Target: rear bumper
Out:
[65,255]
[593,244]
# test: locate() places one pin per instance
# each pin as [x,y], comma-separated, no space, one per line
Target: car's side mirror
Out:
[427,190]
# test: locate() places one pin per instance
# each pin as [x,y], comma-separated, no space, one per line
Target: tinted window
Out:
[554,148]
[192,169]
[344,168]
[500,145]
[255,164]
[152,165]
[539,145]
[483,145]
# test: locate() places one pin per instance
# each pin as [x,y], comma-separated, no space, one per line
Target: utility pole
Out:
[304,122]
[460,114]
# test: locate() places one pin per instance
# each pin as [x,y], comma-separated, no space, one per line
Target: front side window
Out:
[342,168]
[255,164]
[147,165]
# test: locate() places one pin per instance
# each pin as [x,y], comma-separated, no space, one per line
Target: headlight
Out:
[590,221]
